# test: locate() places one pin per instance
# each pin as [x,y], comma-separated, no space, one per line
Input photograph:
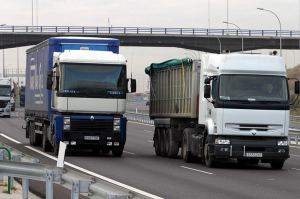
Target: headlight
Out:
[67,120]
[116,121]
[222,141]
[67,123]
[282,143]
[116,128]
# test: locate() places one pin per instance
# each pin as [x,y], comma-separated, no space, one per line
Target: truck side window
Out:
[214,90]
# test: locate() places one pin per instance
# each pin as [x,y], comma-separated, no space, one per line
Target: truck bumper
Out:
[263,148]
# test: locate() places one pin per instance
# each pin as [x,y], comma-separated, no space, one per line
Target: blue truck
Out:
[75,93]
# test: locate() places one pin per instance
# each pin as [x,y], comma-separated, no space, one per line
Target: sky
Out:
[149,13]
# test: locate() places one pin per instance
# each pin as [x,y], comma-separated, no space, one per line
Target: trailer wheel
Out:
[117,151]
[186,155]
[207,159]
[163,141]
[172,147]
[157,141]
[277,164]
[45,143]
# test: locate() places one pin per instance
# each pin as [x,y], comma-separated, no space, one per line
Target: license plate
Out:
[91,137]
[254,155]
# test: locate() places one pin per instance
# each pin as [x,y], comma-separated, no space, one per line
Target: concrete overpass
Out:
[208,40]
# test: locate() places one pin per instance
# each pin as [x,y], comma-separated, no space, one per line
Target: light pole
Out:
[3,55]
[227,19]
[280,41]
[240,32]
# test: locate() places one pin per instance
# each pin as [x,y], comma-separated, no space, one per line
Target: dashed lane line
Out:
[129,152]
[295,169]
[197,170]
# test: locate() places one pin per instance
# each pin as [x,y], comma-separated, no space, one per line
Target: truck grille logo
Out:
[92,118]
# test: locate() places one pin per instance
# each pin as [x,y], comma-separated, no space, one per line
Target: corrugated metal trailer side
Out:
[173,91]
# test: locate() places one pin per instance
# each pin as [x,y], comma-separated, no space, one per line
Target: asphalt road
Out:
[172,178]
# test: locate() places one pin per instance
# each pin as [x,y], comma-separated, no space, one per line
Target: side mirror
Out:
[207,91]
[207,80]
[49,80]
[133,85]
[297,87]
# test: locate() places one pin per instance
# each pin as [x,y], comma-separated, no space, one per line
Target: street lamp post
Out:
[280,40]
[3,55]
[226,22]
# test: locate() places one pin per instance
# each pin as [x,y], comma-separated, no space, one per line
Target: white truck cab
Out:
[5,97]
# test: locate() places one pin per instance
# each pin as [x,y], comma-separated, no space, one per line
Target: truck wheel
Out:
[156,140]
[45,143]
[117,151]
[162,136]
[186,155]
[32,135]
[277,164]
[172,147]
[55,146]
[105,150]
[207,159]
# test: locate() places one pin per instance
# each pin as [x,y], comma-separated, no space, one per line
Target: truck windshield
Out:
[93,80]
[255,88]
[5,91]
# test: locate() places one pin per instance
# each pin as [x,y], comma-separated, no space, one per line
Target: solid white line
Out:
[297,147]
[9,138]
[295,169]
[98,176]
[129,152]
[140,123]
[196,170]
[294,155]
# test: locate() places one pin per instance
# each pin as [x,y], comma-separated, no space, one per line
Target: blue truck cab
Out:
[75,93]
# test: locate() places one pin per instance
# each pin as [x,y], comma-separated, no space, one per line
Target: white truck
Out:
[5,97]
[229,106]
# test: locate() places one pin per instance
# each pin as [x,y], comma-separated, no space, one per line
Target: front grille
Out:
[92,125]
[3,103]
[257,127]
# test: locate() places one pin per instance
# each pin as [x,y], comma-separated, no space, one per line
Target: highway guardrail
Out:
[149,31]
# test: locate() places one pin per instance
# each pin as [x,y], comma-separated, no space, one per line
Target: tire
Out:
[55,146]
[277,164]
[117,151]
[32,135]
[45,142]
[186,155]
[162,147]
[171,146]
[156,140]
[207,159]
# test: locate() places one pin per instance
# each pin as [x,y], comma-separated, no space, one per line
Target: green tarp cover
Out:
[169,64]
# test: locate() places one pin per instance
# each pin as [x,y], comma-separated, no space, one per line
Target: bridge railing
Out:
[149,30]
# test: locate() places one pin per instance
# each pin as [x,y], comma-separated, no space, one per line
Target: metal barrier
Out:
[150,31]
[139,117]
[26,167]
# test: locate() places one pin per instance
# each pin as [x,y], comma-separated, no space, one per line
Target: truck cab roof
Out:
[93,57]
[215,64]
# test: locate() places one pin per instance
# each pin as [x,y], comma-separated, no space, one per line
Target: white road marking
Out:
[209,173]
[295,169]
[98,176]
[129,152]
[294,155]
[297,147]
[9,138]
[151,141]
[140,123]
